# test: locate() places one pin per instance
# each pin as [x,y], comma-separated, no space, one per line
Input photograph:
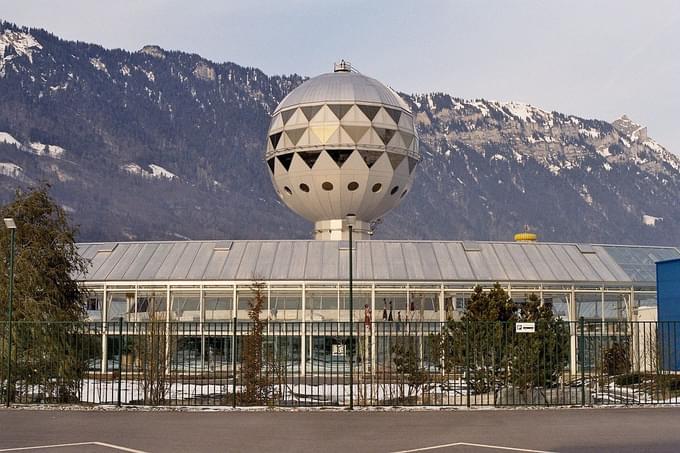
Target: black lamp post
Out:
[12,227]
[350,224]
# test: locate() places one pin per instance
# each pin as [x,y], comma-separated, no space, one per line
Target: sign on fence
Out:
[525,327]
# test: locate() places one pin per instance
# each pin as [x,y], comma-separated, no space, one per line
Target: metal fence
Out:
[308,364]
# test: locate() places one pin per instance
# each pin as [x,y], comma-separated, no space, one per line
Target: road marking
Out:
[467,444]
[75,444]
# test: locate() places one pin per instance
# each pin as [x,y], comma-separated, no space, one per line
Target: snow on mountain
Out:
[41,149]
[488,167]
[15,44]
[650,220]
[11,170]
[8,139]
[156,172]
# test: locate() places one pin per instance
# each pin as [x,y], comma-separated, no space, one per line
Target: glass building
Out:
[207,284]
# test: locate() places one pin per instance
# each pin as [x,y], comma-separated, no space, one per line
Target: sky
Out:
[595,59]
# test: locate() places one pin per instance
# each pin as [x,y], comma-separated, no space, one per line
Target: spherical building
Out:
[342,143]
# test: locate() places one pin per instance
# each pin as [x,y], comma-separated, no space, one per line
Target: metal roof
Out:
[407,261]
[342,87]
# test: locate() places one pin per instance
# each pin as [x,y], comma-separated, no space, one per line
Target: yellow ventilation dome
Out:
[526,236]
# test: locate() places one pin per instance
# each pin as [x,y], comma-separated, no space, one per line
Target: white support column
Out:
[373,336]
[442,319]
[631,305]
[602,304]
[167,328]
[201,305]
[233,303]
[105,317]
[573,330]
[303,334]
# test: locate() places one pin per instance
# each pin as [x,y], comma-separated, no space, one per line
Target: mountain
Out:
[159,144]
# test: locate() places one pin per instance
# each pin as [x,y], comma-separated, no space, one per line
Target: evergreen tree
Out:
[479,343]
[538,358]
[46,347]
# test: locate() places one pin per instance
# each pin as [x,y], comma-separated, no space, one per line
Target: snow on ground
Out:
[8,139]
[650,220]
[592,133]
[498,157]
[607,166]
[41,149]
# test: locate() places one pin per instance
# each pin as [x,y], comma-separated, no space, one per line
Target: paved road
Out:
[564,430]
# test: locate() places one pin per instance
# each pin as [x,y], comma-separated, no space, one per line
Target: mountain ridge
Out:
[159,144]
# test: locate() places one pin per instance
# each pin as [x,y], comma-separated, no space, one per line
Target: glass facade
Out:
[328,302]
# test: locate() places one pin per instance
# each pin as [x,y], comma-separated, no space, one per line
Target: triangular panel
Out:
[394,113]
[310,111]
[286,114]
[339,156]
[274,139]
[309,157]
[395,159]
[370,157]
[276,122]
[355,132]
[369,110]
[411,164]
[295,134]
[339,110]
[323,132]
[271,163]
[285,160]
[407,138]
[385,134]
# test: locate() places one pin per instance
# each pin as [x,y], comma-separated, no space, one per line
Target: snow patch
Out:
[157,172]
[554,169]
[650,220]
[149,75]
[498,157]
[8,139]
[607,166]
[592,133]
[23,44]
[585,194]
[99,65]
[40,149]
[604,151]
[11,170]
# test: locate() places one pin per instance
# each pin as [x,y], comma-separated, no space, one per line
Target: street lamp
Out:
[351,218]
[12,227]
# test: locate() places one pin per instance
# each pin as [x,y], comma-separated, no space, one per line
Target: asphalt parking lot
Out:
[554,430]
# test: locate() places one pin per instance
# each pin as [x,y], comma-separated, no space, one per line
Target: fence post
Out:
[467,360]
[120,357]
[582,350]
[233,363]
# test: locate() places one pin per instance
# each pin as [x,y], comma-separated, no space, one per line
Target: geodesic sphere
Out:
[342,143]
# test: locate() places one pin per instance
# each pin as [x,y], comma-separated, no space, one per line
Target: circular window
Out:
[327,186]
[353,186]
[288,191]
[404,193]
[377,187]
[304,187]
[394,190]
